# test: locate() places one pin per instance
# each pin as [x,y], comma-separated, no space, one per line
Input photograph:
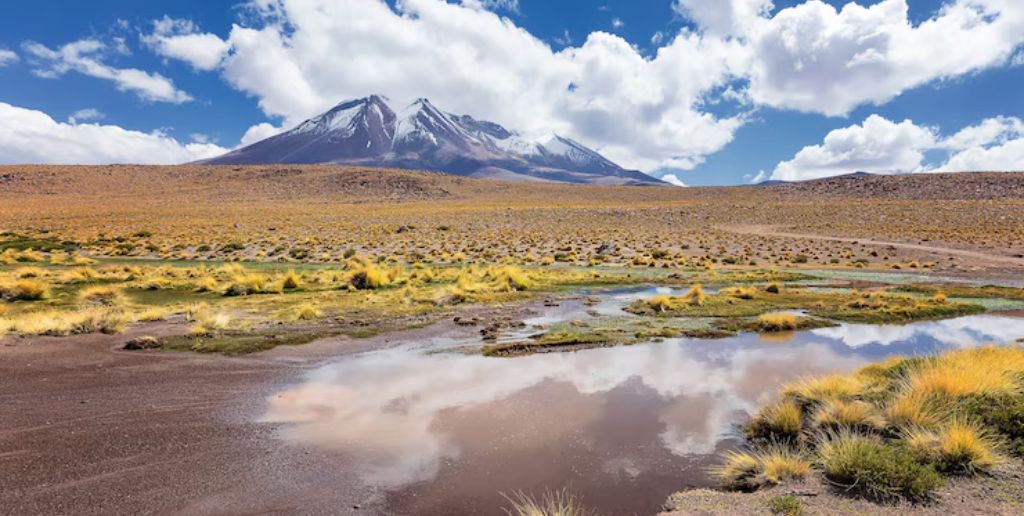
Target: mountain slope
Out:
[369,132]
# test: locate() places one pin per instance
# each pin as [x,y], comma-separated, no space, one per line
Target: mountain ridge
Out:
[368,132]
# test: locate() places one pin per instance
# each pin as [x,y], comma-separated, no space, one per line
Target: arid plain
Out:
[184,339]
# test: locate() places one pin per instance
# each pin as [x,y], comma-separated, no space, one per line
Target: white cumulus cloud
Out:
[724,16]
[666,110]
[7,57]
[673,179]
[878,145]
[305,56]
[87,56]
[996,144]
[30,136]
[299,57]
[814,58]
[259,132]
[182,40]
[83,115]
[883,146]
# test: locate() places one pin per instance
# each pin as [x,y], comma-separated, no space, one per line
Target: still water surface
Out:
[447,433]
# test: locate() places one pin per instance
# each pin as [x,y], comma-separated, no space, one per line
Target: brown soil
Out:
[91,429]
[998,494]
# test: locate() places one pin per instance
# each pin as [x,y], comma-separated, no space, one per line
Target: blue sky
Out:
[723,106]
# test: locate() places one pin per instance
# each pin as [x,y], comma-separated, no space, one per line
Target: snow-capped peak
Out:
[343,118]
[367,131]
[421,120]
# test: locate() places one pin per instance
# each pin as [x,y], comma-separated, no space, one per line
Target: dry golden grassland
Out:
[319,213]
[290,253]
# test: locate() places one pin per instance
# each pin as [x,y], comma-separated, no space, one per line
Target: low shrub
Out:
[1004,414]
[868,466]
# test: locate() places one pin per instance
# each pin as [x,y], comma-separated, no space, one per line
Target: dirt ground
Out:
[91,429]
[998,494]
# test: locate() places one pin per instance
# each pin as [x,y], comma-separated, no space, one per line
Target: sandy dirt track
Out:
[977,256]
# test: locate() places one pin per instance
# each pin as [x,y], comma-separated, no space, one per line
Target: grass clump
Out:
[960,447]
[556,503]
[739,471]
[914,410]
[740,292]
[814,391]
[880,471]
[695,296]
[856,415]
[24,290]
[771,465]
[306,312]
[785,505]
[781,321]
[781,422]
[509,279]
[102,295]
[661,303]
[62,323]
[206,321]
[983,371]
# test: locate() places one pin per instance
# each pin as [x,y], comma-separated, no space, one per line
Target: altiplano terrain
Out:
[323,339]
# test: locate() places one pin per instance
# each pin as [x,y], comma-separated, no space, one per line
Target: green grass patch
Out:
[848,306]
[242,343]
[785,505]
[38,244]
[962,291]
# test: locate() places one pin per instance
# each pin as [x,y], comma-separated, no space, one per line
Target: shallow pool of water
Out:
[623,427]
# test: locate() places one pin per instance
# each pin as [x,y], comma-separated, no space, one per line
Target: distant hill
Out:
[368,132]
[852,175]
[959,185]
